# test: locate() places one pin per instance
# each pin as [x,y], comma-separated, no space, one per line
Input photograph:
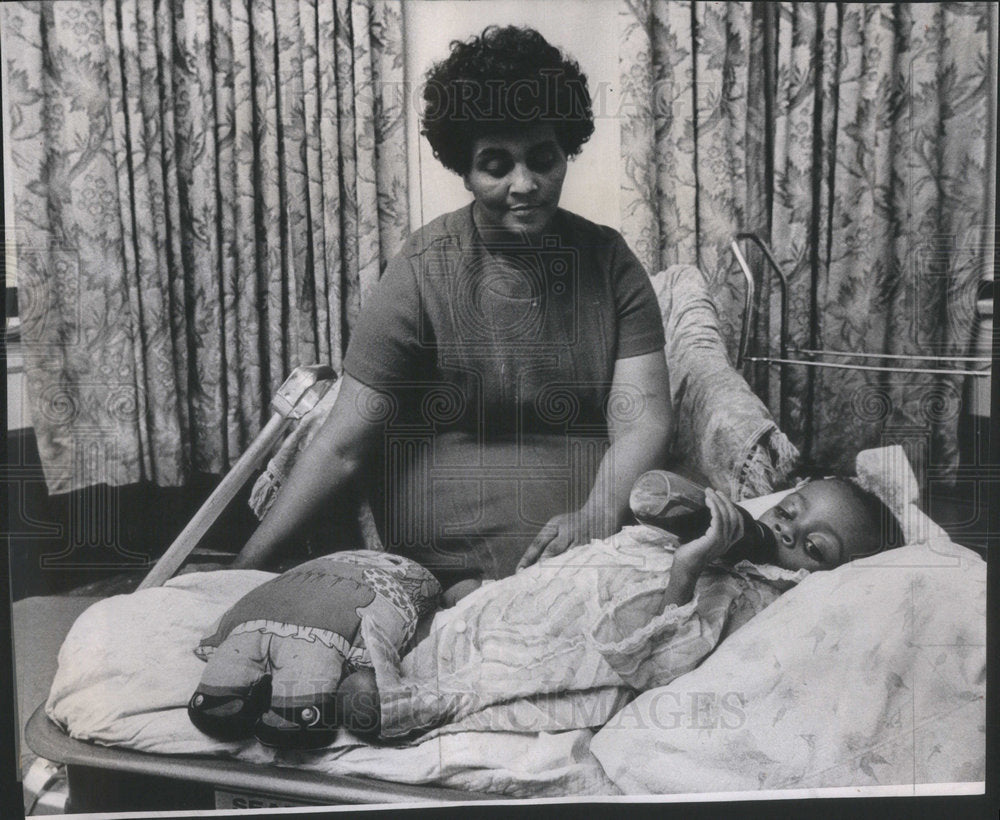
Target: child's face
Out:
[818,527]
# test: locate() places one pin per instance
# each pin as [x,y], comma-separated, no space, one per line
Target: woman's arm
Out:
[332,459]
[639,422]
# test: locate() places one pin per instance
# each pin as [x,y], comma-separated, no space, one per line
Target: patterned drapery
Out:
[853,138]
[204,191]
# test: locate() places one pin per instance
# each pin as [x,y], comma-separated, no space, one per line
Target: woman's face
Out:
[517,179]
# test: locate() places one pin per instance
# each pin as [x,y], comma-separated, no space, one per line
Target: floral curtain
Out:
[205,190]
[854,139]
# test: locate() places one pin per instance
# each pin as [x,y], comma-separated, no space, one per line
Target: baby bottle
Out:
[676,504]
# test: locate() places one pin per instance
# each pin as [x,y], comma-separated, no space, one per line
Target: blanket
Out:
[563,643]
[127,669]
[879,678]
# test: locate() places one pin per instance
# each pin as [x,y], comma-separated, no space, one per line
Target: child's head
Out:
[826,523]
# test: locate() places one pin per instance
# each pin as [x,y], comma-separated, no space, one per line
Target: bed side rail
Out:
[979,366]
[304,387]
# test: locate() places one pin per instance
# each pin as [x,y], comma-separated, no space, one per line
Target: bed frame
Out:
[979,366]
[103,779]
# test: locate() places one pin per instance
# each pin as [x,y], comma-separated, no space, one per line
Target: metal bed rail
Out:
[104,778]
[815,357]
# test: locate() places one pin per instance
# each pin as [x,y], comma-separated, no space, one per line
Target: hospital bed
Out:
[725,437]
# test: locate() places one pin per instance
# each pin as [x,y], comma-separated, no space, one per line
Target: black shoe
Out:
[230,716]
[297,727]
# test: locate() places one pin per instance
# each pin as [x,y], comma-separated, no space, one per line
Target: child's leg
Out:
[450,597]
[456,592]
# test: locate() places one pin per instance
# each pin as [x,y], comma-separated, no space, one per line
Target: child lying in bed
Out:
[560,644]
[564,643]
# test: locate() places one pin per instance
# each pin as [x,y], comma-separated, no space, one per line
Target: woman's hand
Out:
[571,529]
[724,531]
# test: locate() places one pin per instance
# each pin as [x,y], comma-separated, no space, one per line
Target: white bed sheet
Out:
[127,669]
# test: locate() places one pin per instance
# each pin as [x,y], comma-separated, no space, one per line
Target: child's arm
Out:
[651,637]
[690,559]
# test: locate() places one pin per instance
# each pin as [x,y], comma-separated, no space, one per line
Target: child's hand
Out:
[725,530]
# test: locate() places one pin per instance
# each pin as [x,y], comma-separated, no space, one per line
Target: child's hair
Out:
[875,510]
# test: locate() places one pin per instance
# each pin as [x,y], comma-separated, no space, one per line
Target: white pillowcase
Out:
[758,506]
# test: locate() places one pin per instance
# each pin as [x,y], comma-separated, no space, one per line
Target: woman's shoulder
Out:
[452,229]
[581,227]
[600,247]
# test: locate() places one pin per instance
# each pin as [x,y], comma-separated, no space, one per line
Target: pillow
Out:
[757,506]
[871,674]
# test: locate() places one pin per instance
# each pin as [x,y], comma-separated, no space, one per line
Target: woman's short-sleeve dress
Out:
[494,363]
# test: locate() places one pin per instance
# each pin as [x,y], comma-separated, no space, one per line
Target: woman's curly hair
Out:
[504,78]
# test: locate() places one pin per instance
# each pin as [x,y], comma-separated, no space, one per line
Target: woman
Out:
[505,383]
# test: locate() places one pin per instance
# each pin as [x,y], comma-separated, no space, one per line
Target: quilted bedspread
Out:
[873,674]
